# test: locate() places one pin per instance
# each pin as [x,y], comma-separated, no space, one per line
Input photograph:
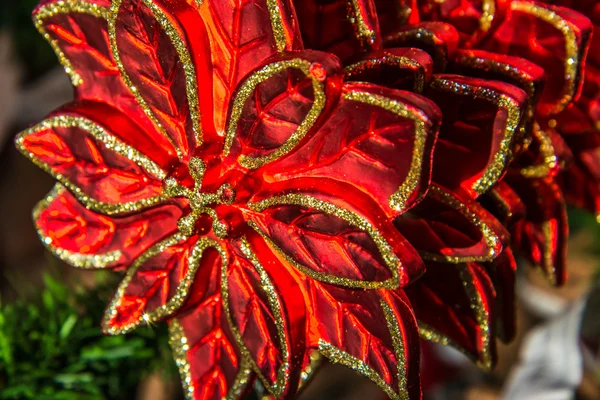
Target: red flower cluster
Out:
[282,179]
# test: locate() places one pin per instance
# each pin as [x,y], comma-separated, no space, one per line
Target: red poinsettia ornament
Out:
[279,179]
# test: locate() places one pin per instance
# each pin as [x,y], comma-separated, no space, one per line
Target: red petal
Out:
[242,37]
[209,361]
[344,28]
[502,271]
[160,280]
[542,235]
[89,240]
[166,87]
[480,120]
[103,171]
[278,105]
[372,332]
[504,203]
[438,39]
[474,19]
[377,140]
[451,227]
[454,305]
[266,312]
[555,38]
[401,68]
[333,241]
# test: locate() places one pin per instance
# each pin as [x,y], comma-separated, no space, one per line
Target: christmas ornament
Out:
[284,181]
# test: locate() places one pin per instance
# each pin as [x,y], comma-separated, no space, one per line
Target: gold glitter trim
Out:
[246,90]
[339,356]
[181,292]
[487,15]
[550,268]
[111,143]
[316,360]
[364,33]
[572,62]
[277,25]
[66,7]
[353,219]
[399,350]
[399,199]
[78,260]
[547,151]
[180,345]
[426,36]
[390,60]
[481,316]
[491,239]
[281,383]
[495,169]
[185,59]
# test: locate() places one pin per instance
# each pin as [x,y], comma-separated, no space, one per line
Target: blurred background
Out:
[50,342]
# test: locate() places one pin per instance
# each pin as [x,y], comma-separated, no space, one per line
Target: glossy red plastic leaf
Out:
[209,361]
[243,35]
[451,227]
[462,318]
[377,140]
[159,282]
[86,239]
[373,332]
[341,27]
[480,121]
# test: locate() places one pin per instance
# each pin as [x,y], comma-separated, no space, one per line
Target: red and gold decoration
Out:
[284,182]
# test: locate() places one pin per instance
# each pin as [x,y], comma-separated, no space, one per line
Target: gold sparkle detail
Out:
[550,160]
[492,240]
[78,260]
[487,15]
[111,143]
[550,268]
[501,158]
[66,7]
[364,33]
[390,60]
[191,84]
[199,200]
[279,386]
[353,219]
[181,293]
[316,360]
[572,62]
[180,345]
[339,356]
[246,90]
[277,25]
[398,200]
[425,36]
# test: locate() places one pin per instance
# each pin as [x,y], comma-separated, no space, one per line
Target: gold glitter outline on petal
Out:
[180,345]
[277,25]
[550,269]
[365,34]
[387,253]
[398,200]
[494,169]
[572,70]
[65,7]
[547,151]
[191,84]
[339,356]
[283,371]
[425,36]
[391,60]
[181,293]
[245,91]
[111,143]
[77,260]
[491,239]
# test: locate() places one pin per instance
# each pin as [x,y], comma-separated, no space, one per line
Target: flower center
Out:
[200,201]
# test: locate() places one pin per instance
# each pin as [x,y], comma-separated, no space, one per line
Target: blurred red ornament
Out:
[284,179]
